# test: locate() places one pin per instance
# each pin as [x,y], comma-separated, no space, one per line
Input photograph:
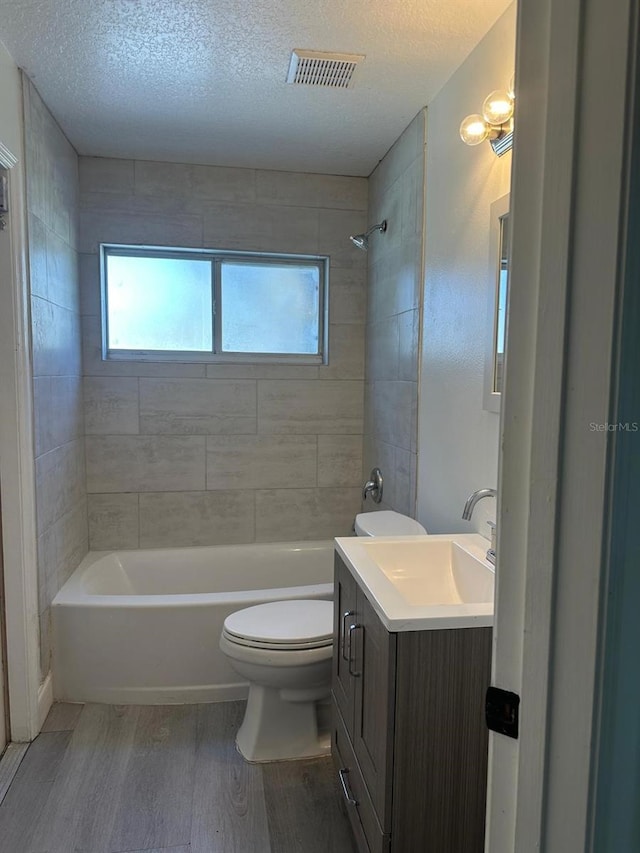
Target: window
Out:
[196,305]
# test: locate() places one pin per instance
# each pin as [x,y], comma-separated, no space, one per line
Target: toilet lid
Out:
[295,624]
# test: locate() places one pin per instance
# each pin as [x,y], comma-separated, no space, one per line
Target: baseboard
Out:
[45,699]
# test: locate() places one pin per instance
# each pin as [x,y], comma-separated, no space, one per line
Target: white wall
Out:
[457,439]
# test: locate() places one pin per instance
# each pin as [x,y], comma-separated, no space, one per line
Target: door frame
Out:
[615,777]
[17,468]
[568,190]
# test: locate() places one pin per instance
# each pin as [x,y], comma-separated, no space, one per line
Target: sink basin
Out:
[424,582]
[433,571]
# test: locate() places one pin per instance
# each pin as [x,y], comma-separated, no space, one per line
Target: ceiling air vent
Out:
[317,68]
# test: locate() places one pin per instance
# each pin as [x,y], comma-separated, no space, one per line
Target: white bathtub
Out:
[142,627]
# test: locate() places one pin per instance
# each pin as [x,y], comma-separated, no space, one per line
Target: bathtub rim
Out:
[74,592]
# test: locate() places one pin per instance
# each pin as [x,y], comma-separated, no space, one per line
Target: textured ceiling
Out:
[203,81]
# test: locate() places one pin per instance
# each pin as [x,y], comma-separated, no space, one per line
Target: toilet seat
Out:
[292,625]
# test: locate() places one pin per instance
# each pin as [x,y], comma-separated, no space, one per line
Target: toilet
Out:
[284,650]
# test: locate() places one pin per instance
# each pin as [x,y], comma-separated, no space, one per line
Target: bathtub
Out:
[142,627]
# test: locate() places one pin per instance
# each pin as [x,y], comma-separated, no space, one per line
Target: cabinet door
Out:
[344,616]
[374,667]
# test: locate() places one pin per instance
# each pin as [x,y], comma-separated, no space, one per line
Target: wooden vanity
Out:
[409,739]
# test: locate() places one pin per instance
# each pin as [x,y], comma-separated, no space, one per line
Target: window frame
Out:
[216,257]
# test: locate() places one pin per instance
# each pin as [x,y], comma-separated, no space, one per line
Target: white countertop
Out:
[393,608]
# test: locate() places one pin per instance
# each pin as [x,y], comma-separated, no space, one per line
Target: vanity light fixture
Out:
[495,123]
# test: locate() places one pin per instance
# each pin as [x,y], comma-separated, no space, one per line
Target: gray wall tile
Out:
[89,281]
[262,371]
[408,345]
[197,406]
[128,463]
[339,460]
[72,540]
[176,180]
[38,282]
[57,411]
[56,339]
[331,191]
[383,349]
[261,228]
[107,227]
[309,407]
[62,273]
[196,518]
[51,168]
[346,353]
[113,521]
[393,412]
[59,482]
[106,175]
[251,462]
[348,296]
[289,514]
[393,312]
[334,229]
[110,405]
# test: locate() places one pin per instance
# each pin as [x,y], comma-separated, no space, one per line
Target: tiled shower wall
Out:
[52,202]
[194,454]
[396,193]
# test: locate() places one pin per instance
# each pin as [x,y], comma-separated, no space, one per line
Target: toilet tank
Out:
[386,522]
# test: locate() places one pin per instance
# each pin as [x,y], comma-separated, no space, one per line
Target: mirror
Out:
[497,309]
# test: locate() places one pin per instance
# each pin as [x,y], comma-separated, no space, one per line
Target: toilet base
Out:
[274,729]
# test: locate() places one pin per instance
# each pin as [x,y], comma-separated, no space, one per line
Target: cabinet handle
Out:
[352,628]
[345,616]
[343,773]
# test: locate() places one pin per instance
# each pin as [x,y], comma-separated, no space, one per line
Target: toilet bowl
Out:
[284,651]
[386,522]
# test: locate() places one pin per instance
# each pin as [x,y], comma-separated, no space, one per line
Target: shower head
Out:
[362,240]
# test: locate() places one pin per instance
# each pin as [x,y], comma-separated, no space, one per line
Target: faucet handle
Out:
[373,486]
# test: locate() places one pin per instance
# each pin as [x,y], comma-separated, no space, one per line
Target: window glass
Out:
[270,308]
[211,305]
[159,304]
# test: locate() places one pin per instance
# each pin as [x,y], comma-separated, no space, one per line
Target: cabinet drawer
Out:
[366,828]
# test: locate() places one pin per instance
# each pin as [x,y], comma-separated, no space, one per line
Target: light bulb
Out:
[497,107]
[474,130]
[511,91]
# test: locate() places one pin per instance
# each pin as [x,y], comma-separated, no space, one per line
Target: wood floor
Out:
[168,779]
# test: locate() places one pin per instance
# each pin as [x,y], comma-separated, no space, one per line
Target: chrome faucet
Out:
[473,499]
[469,506]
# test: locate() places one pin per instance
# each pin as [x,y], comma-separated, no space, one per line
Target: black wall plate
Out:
[502,711]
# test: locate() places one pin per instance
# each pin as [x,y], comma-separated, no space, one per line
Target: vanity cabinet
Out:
[409,740]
